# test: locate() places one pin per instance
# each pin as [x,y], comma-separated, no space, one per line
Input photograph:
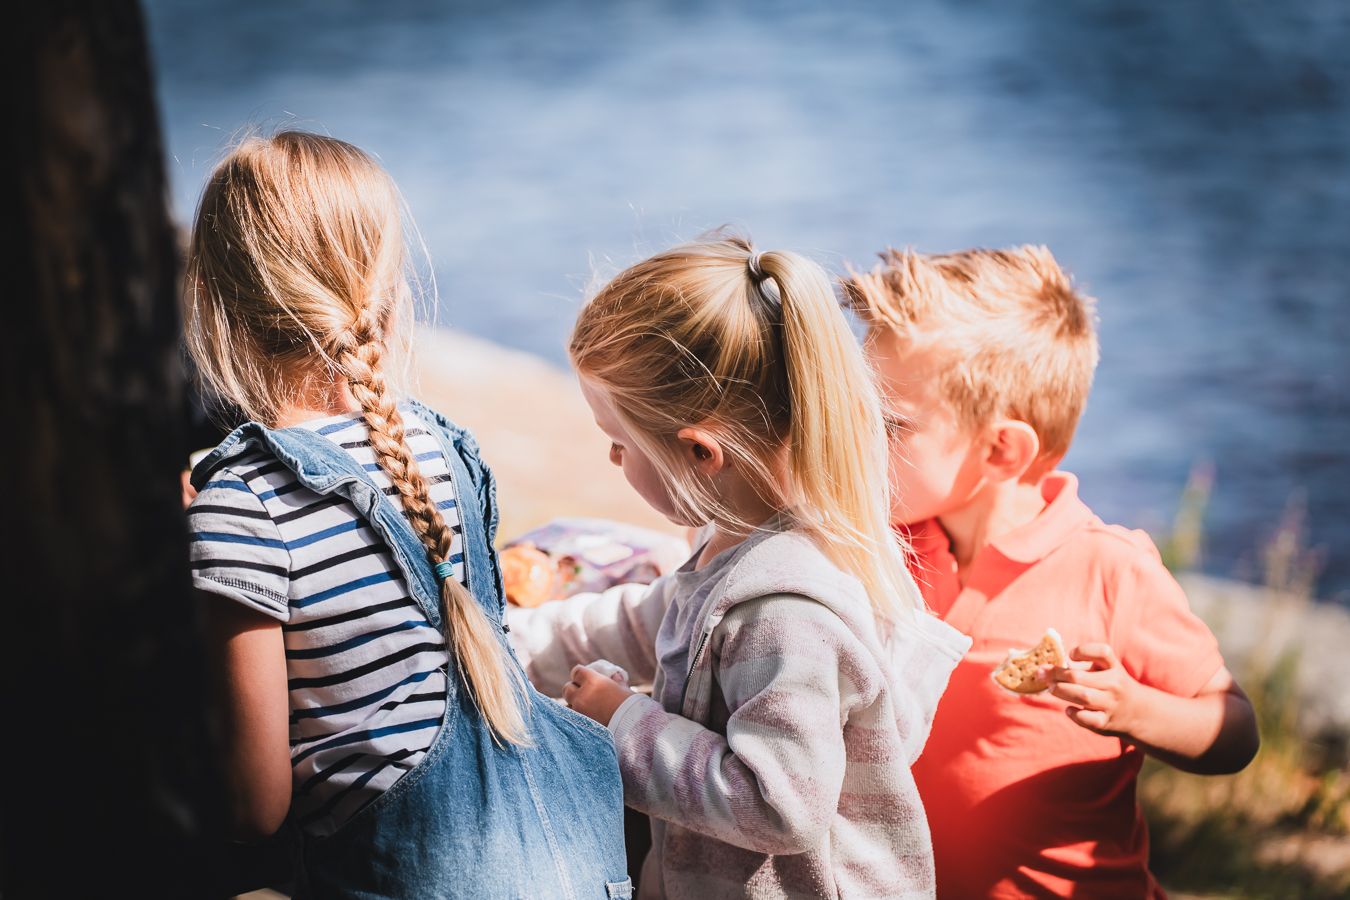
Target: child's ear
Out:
[701,450]
[1013,448]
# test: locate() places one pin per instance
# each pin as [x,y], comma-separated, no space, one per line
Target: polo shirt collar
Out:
[926,537]
[1063,517]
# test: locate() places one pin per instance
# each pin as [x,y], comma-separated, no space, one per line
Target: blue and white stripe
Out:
[366,671]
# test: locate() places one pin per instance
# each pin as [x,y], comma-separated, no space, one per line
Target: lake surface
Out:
[1190,163]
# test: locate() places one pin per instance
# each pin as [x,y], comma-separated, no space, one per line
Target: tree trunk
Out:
[109,770]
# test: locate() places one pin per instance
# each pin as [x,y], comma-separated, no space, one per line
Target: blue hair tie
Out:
[444,570]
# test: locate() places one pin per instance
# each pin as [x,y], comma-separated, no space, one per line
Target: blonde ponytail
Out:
[712,332]
[297,275]
[837,444]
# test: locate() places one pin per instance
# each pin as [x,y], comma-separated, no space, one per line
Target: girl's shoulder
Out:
[789,561]
[784,573]
[242,471]
[460,438]
[240,455]
[431,417]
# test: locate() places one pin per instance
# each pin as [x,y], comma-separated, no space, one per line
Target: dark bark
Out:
[108,774]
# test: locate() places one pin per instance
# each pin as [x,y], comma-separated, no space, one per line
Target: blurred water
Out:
[1189,162]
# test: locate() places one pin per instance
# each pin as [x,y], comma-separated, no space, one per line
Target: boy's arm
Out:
[619,625]
[1212,733]
[1161,683]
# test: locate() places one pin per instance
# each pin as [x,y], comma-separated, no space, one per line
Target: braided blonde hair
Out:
[299,286]
[712,333]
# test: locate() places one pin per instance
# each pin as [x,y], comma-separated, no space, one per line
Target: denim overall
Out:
[474,818]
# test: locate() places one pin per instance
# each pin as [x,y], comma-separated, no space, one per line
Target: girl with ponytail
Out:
[343,540]
[794,669]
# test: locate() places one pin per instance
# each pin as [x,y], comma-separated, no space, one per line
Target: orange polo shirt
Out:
[1022,802]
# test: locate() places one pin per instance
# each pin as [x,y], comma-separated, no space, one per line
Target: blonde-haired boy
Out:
[986,359]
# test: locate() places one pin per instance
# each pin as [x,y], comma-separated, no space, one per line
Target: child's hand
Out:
[595,696]
[1106,696]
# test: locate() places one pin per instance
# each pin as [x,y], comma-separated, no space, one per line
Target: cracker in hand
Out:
[1018,672]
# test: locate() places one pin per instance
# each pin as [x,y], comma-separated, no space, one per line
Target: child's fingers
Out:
[1086,677]
[573,687]
[1076,693]
[1088,718]
[1098,654]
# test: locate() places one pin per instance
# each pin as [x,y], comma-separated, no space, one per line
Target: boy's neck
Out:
[995,509]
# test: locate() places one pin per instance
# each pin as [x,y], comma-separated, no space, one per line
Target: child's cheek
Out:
[917,481]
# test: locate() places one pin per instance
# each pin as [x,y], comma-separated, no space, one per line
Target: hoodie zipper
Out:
[708,629]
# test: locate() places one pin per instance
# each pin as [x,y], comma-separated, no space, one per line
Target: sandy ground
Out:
[535,430]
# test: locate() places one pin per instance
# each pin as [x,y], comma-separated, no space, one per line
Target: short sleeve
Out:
[1157,638]
[237,551]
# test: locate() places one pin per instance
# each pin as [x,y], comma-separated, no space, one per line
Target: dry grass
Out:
[1281,827]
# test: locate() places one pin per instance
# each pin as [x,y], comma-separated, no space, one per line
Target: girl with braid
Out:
[344,542]
[794,670]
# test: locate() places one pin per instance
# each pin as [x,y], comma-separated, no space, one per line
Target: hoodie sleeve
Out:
[619,625]
[790,673]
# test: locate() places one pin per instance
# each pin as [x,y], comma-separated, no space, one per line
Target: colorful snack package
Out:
[567,556]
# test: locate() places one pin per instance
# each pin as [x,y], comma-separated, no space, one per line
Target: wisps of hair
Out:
[1017,336]
[754,346]
[298,283]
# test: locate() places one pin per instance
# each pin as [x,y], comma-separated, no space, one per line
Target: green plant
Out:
[1264,832]
[1181,547]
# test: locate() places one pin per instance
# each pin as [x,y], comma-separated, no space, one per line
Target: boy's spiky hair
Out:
[1015,338]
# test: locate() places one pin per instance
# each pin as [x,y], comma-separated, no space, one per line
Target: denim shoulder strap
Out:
[476,495]
[325,468]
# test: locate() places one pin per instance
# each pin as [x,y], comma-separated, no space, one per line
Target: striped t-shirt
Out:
[365,670]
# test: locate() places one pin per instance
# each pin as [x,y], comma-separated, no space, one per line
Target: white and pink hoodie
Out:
[774,760]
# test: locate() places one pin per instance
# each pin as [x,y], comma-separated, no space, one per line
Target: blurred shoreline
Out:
[1189,163]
